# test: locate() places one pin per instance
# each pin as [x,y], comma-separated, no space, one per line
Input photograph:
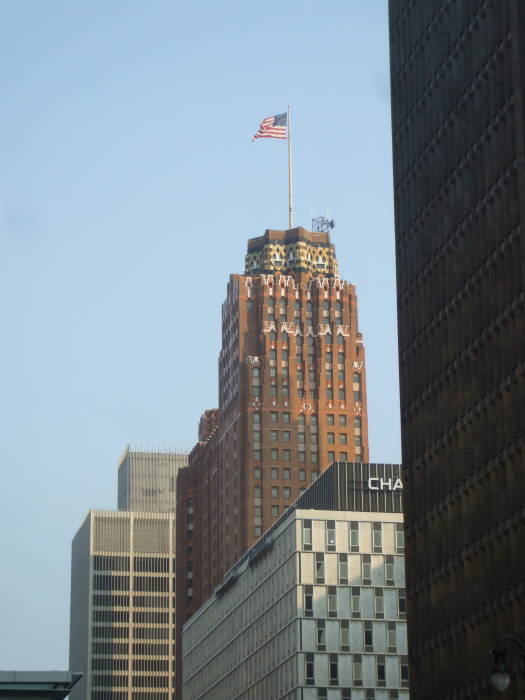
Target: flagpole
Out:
[290,193]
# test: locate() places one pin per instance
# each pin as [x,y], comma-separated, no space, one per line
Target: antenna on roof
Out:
[322,225]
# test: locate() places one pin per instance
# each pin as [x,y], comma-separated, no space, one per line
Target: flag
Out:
[273,128]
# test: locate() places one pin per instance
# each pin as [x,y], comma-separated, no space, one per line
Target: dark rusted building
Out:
[457,81]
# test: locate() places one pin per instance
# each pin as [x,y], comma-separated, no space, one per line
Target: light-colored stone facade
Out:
[123,606]
[316,609]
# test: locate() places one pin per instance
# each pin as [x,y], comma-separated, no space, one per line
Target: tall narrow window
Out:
[400,539]
[377,538]
[368,635]
[344,635]
[404,671]
[321,634]
[334,670]
[357,670]
[332,601]
[330,536]
[354,536]
[366,570]
[309,669]
[391,637]
[319,567]
[389,570]
[342,565]
[401,604]
[379,603]
[308,601]
[355,603]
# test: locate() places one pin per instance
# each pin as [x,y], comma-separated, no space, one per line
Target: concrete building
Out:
[147,481]
[292,399]
[37,685]
[316,608]
[458,106]
[123,606]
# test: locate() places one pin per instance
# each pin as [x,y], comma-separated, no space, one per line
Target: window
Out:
[308,601]
[379,603]
[330,438]
[257,455]
[275,492]
[366,569]
[389,570]
[274,454]
[274,435]
[404,671]
[275,511]
[391,637]
[285,417]
[401,603]
[286,455]
[322,694]
[343,456]
[257,436]
[393,695]
[300,419]
[273,390]
[333,670]
[354,536]
[300,437]
[313,420]
[355,604]
[273,354]
[329,418]
[342,562]
[368,635]
[286,474]
[309,669]
[332,601]
[315,474]
[257,492]
[302,474]
[313,436]
[287,492]
[377,538]
[342,419]
[257,531]
[357,670]
[319,567]
[285,356]
[329,393]
[344,635]
[400,538]
[342,394]
[256,417]
[357,423]
[301,456]
[257,511]
[255,373]
[285,390]
[340,358]
[320,626]
[331,457]
[330,535]
[256,390]
[342,438]
[307,535]
[370,694]
[273,417]
[275,473]
[346,694]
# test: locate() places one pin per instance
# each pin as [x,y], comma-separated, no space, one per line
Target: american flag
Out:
[273,128]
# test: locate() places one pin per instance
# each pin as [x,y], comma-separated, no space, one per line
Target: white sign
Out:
[376,483]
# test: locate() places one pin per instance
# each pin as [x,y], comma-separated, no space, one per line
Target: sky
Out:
[129,188]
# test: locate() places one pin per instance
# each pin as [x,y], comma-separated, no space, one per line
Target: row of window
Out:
[138,648]
[331,419]
[105,562]
[285,455]
[149,617]
[115,695]
[354,536]
[344,636]
[366,569]
[108,582]
[346,694]
[310,340]
[355,602]
[357,670]
[111,680]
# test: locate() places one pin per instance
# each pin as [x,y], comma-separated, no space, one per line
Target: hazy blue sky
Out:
[129,187]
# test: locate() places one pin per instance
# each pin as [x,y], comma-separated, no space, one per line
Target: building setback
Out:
[292,399]
[122,606]
[316,608]
[457,80]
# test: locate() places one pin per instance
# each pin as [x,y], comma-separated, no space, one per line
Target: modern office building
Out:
[123,606]
[147,481]
[458,106]
[316,608]
[292,399]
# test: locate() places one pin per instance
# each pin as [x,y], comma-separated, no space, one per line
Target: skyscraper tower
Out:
[292,399]
[458,79]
